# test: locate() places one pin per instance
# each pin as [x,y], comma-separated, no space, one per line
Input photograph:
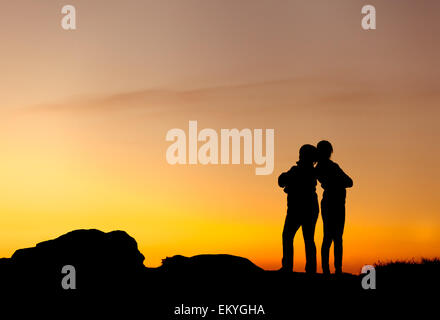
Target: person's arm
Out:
[344,179]
[284,178]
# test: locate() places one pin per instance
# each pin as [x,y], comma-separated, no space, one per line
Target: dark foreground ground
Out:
[110,277]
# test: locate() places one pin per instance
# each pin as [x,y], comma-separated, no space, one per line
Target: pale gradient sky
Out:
[84,116]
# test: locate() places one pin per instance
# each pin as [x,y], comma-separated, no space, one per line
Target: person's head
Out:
[325,150]
[308,153]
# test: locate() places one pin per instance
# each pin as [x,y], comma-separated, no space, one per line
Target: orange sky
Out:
[84,114]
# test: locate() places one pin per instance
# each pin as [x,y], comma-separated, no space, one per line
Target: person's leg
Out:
[327,240]
[290,228]
[308,230]
[338,232]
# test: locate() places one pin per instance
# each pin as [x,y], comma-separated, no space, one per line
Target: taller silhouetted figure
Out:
[302,207]
[334,181]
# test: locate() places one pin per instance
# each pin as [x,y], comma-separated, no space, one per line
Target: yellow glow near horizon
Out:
[87,168]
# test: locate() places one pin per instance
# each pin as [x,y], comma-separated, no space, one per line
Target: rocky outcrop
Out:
[209,263]
[100,260]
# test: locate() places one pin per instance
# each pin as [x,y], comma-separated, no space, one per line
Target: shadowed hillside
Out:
[110,266]
[408,275]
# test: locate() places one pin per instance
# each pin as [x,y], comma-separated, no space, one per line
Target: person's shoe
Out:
[338,271]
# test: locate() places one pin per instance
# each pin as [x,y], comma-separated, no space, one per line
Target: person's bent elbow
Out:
[282,180]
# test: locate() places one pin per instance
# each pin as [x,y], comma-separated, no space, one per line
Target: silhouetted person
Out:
[334,181]
[302,207]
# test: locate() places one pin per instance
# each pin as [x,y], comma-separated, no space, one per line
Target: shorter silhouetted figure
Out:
[334,181]
[302,207]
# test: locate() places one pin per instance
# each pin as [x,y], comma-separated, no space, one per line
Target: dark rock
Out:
[209,263]
[100,260]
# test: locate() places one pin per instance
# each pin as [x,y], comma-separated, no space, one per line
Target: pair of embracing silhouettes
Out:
[299,183]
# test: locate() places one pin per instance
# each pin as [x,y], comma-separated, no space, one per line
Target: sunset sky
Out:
[84,115]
